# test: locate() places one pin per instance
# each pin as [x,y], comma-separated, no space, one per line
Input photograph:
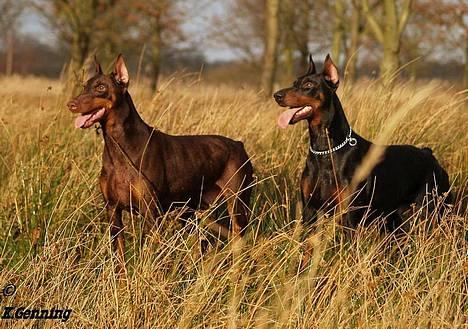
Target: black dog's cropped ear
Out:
[330,72]
[120,71]
[311,69]
[97,66]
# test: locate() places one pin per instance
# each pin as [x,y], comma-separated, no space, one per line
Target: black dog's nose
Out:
[279,95]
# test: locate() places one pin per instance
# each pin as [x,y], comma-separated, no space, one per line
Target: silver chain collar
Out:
[351,140]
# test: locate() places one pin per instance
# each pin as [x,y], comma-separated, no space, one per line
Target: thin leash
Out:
[132,165]
[334,169]
[349,140]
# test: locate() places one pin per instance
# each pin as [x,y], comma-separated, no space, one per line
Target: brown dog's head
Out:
[101,94]
[310,95]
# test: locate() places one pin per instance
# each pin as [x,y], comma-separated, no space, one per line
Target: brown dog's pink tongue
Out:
[87,120]
[81,120]
[285,117]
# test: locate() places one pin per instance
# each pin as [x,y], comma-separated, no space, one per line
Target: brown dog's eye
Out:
[308,85]
[101,88]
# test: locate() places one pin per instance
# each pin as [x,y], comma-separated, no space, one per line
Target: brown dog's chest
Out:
[124,189]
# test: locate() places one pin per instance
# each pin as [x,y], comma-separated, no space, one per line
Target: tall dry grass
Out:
[55,247]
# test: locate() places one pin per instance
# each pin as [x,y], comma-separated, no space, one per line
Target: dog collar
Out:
[351,140]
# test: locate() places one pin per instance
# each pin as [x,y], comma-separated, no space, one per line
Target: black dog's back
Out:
[405,176]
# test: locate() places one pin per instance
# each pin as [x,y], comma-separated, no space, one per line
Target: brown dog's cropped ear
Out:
[97,66]
[120,71]
[330,72]
[311,69]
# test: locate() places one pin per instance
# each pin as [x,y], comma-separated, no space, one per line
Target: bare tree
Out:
[80,24]
[10,12]
[296,28]
[241,28]
[271,46]
[442,27]
[304,26]
[388,33]
[288,19]
[338,30]
[355,31]
[465,75]
[158,24]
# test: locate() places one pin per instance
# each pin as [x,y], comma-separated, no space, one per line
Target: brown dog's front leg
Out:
[117,237]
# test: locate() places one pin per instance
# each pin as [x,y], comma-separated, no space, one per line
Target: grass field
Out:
[56,250]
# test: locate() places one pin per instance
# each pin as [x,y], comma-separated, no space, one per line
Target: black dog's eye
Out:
[101,88]
[308,85]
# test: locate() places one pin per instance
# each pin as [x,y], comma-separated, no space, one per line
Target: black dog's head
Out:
[310,95]
[101,94]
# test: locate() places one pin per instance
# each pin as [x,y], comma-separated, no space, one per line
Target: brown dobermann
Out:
[150,171]
[405,174]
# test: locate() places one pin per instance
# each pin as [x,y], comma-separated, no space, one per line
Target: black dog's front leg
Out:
[309,217]
[309,213]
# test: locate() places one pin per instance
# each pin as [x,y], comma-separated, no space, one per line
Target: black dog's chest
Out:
[322,186]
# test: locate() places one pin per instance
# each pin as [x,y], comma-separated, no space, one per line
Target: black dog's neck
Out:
[124,126]
[331,131]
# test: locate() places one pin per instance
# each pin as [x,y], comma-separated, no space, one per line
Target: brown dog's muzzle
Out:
[87,103]
[92,109]
[72,106]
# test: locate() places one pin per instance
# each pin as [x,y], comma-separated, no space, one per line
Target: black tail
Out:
[427,150]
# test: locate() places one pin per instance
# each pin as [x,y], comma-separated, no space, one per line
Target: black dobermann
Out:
[404,175]
[150,171]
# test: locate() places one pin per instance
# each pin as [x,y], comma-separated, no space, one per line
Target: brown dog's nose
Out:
[279,95]
[72,106]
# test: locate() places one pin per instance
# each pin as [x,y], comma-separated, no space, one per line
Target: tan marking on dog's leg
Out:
[117,237]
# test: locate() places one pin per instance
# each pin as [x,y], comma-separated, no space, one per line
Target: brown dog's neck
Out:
[123,125]
[333,126]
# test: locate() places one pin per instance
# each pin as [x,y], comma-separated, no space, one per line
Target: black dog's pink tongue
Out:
[285,117]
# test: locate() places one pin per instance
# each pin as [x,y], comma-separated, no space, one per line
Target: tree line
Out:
[273,36]
[393,32]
